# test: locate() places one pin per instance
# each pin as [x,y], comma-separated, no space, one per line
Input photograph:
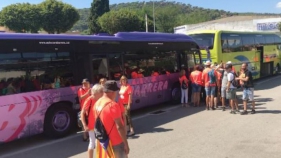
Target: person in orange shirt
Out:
[89,122]
[125,97]
[209,77]
[134,73]
[196,82]
[184,88]
[110,115]
[140,73]
[83,93]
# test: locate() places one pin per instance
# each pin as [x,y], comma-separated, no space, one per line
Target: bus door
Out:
[115,65]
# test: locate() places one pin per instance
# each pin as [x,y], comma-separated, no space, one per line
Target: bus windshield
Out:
[205,40]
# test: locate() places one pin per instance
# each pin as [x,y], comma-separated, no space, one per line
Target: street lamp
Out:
[153,17]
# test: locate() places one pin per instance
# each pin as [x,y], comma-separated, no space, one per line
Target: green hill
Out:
[180,12]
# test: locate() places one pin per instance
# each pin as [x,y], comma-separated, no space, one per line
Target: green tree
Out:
[166,19]
[58,17]
[122,20]
[98,8]
[21,17]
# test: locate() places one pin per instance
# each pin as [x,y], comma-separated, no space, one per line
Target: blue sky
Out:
[268,6]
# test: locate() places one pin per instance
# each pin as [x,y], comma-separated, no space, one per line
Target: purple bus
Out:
[40,75]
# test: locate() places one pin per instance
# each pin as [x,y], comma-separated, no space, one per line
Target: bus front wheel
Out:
[59,120]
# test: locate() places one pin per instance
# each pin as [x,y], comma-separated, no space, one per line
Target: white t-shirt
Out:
[230,77]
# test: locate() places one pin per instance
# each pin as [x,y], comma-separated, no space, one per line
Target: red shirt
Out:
[206,79]
[183,78]
[134,75]
[196,77]
[81,92]
[108,113]
[89,106]
[124,94]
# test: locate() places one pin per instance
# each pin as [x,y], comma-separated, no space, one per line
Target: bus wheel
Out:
[59,120]
[176,94]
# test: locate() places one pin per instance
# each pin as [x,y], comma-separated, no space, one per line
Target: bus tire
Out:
[59,120]
[176,93]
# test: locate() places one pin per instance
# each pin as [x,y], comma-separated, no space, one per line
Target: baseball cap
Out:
[110,85]
[228,66]
[208,63]
[85,80]
[229,62]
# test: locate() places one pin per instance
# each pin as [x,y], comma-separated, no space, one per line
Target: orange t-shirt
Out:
[196,77]
[233,69]
[108,113]
[81,92]
[140,75]
[134,75]
[206,79]
[124,94]
[183,78]
[89,106]
[155,74]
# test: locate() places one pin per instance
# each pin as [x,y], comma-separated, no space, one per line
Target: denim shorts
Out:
[210,91]
[196,88]
[248,93]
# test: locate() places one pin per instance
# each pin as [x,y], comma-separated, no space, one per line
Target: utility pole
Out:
[153,17]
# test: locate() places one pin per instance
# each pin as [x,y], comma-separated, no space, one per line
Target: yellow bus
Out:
[261,50]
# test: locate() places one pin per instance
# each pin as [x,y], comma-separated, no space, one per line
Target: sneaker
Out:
[223,108]
[244,112]
[253,111]
[237,111]
[232,112]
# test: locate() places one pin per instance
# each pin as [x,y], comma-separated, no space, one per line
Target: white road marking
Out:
[273,78]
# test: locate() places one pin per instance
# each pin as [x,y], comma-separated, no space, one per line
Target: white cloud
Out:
[278,5]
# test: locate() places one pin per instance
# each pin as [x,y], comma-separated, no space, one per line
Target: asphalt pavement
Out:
[177,132]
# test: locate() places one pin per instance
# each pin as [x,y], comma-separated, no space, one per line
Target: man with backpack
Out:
[209,78]
[231,87]
[109,125]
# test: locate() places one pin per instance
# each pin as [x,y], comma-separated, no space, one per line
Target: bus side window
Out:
[248,42]
[224,44]
[234,43]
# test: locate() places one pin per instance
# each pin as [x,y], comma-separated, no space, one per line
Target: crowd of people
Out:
[100,109]
[99,102]
[219,83]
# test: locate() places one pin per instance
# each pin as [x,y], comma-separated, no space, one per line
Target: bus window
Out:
[269,39]
[234,43]
[205,40]
[150,63]
[248,42]
[224,44]
[27,72]
[259,40]
[115,66]
[277,39]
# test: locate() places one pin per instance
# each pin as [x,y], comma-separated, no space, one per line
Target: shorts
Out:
[223,92]
[92,140]
[119,150]
[231,94]
[248,93]
[196,88]
[210,91]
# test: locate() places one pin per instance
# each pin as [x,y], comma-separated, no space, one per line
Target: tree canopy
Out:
[121,20]
[98,8]
[21,17]
[58,16]
[51,15]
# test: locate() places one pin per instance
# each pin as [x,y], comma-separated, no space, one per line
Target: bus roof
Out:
[121,36]
[228,31]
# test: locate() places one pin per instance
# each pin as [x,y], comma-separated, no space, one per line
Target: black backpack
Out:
[183,85]
[100,131]
[234,82]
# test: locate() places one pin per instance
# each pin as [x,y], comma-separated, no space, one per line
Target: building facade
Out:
[235,23]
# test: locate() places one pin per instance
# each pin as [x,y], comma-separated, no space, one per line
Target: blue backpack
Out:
[212,76]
